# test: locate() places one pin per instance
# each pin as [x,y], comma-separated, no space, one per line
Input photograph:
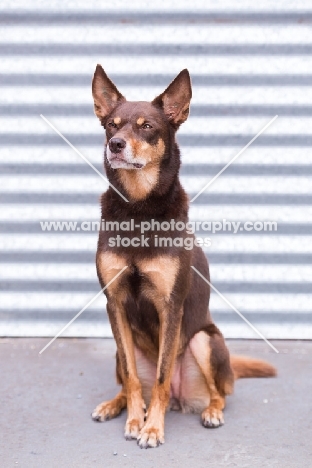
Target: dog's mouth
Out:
[118,162]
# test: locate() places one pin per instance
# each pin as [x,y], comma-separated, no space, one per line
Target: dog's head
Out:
[140,136]
[137,132]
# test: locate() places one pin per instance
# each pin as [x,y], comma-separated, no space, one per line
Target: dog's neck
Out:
[155,192]
[138,184]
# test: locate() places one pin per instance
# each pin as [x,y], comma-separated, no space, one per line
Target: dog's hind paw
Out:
[212,418]
[106,411]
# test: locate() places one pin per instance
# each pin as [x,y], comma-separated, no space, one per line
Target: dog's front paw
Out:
[133,427]
[212,418]
[151,437]
[135,420]
[106,410]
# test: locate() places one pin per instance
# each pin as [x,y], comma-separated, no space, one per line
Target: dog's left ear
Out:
[105,94]
[175,100]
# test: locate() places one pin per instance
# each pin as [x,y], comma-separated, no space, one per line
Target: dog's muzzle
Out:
[119,157]
[116,145]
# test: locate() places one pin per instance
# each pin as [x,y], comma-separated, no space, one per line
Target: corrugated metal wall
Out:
[247,65]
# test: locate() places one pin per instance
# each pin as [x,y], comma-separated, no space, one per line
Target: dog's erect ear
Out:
[105,94]
[175,100]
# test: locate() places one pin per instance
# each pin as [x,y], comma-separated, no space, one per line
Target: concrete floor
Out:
[46,403]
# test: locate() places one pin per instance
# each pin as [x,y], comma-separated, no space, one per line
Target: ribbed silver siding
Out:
[246,66]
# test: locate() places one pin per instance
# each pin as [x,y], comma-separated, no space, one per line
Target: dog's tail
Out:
[243,366]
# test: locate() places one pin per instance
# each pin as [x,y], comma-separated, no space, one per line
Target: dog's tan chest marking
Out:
[162,272]
[109,265]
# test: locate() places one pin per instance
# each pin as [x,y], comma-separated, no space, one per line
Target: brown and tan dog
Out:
[169,352]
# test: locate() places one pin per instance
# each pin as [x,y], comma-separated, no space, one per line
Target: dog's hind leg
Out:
[112,408]
[212,356]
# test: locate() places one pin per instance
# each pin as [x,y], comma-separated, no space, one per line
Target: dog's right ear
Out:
[105,94]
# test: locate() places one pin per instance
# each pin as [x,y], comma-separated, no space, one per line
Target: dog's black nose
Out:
[116,145]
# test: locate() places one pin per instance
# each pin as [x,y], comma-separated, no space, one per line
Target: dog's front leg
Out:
[152,433]
[131,384]
[160,274]
[108,267]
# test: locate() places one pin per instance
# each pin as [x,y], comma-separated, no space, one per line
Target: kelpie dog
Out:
[169,352]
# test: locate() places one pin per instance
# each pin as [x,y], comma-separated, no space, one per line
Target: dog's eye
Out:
[147,126]
[112,125]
